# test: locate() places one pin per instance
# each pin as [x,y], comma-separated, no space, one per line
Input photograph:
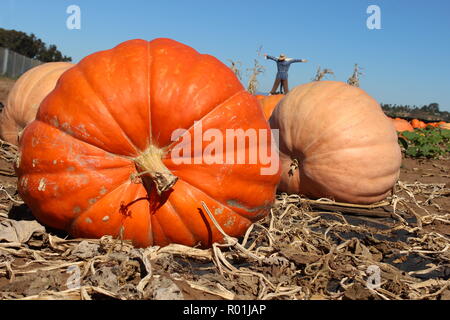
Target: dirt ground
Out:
[303,250]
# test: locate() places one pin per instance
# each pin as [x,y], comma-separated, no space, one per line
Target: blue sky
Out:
[406,62]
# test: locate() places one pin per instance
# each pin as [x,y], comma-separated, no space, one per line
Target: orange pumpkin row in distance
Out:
[403,125]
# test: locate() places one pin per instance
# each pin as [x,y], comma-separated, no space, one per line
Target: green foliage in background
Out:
[426,143]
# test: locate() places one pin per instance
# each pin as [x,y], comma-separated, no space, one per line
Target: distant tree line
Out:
[430,109]
[30,46]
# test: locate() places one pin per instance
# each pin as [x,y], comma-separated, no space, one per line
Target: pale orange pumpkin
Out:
[25,97]
[343,144]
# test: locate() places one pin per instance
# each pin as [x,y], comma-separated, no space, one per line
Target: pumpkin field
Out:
[331,224]
[303,250]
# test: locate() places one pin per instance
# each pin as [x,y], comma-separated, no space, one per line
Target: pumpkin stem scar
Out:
[151,166]
[293,167]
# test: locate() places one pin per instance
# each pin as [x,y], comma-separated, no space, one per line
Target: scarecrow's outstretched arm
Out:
[298,60]
[271,57]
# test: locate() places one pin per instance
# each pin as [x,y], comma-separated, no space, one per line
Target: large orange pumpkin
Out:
[402,125]
[25,97]
[268,103]
[99,159]
[343,144]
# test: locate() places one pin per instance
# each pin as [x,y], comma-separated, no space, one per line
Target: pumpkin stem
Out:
[150,164]
[294,166]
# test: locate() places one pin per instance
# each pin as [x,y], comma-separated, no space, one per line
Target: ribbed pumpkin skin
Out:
[346,147]
[402,125]
[268,103]
[78,159]
[26,96]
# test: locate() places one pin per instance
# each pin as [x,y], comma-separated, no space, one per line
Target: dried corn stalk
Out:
[235,66]
[253,81]
[354,79]
[320,74]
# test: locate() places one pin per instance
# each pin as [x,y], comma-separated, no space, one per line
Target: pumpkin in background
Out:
[99,158]
[336,142]
[418,124]
[25,97]
[445,125]
[402,125]
[415,123]
[268,103]
[435,124]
